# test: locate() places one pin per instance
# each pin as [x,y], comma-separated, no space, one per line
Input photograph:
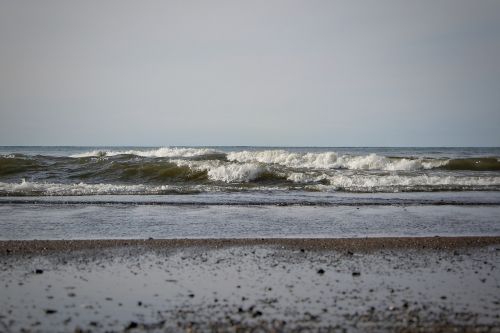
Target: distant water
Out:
[171,192]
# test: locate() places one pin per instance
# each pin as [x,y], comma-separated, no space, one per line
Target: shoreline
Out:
[9,247]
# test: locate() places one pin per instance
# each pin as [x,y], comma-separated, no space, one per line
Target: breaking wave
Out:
[331,160]
[180,170]
[312,160]
[325,183]
[230,172]
[395,183]
[161,152]
[54,189]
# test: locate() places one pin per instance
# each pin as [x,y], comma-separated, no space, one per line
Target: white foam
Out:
[303,177]
[161,152]
[331,160]
[80,188]
[389,183]
[235,172]
[223,171]
[381,181]
[282,157]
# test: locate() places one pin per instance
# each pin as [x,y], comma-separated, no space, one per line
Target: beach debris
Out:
[50,311]
[38,271]
[321,271]
[356,273]
[131,325]
[310,317]
[257,314]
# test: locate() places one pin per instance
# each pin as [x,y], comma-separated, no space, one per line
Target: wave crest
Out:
[235,172]
[55,189]
[396,183]
[331,160]
[160,152]
[225,172]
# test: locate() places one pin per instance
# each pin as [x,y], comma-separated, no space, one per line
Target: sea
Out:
[247,192]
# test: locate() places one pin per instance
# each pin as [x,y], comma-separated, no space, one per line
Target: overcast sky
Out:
[294,73]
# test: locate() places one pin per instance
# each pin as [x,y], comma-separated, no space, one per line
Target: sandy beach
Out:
[438,284]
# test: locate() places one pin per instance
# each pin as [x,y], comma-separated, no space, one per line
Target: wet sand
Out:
[438,284]
[330,244]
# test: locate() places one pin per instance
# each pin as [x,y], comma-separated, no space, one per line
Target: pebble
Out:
[132,325]
[257,314]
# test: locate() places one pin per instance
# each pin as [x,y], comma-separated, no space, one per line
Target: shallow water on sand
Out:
[67,220]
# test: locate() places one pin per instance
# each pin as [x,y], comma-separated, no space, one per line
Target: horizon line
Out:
[252,146]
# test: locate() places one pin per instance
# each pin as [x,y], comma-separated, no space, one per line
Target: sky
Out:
[260,72]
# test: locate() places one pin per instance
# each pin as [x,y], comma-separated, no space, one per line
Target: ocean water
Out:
[171,192]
